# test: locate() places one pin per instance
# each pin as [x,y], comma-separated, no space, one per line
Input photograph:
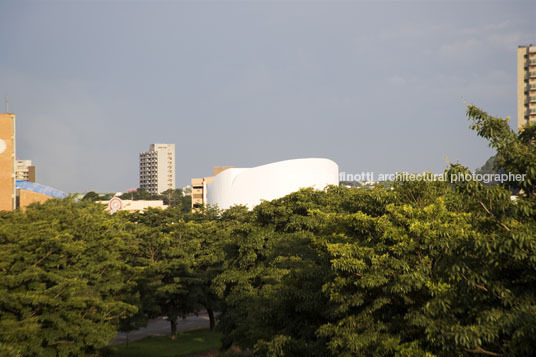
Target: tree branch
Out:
[483,351]
[44,257]
[492,215]
[481,287]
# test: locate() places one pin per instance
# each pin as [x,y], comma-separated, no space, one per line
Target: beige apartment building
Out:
[8,195]
[199,187]
[24,170]
[526,85]
[157,168]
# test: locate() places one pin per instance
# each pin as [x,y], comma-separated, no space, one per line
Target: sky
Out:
[376,86]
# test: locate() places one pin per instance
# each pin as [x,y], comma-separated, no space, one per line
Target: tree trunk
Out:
[211,317]
[173,322]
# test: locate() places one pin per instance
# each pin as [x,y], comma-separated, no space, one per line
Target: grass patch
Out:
[187,343]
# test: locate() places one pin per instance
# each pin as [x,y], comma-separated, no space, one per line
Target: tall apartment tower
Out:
[157,168]
[8,197]
[526,85]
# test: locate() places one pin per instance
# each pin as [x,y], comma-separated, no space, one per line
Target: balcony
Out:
[532,74]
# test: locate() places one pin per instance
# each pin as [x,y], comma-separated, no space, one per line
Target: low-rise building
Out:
[29,192]
[117,204]
[199,187]
[24,170]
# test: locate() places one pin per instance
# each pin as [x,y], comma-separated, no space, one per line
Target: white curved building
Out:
[241,186]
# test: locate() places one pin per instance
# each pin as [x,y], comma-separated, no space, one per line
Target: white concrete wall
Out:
[134,206]
[242,186]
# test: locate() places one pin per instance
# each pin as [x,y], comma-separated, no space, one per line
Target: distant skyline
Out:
[374,86]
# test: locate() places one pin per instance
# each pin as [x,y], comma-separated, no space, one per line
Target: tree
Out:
[203,247]
[62,278]
[489,286]
[383,269]
[176,198]
[270,284]
[490,168]
[415,269]
[91,196]
[140,194]
[179,253]
[169,283]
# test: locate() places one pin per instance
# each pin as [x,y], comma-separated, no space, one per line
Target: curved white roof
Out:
[242,186]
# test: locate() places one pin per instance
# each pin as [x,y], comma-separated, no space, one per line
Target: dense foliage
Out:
[418,268]
[62,276]
[411,269]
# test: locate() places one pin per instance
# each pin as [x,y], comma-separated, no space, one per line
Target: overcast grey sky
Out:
[374,86]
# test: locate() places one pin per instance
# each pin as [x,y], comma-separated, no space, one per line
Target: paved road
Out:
[161,326]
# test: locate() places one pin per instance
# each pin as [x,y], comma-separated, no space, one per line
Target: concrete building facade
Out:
[24,170]
[157,168]
[26,198]
[199,191]
[526,85]
[249,186]
[8,197]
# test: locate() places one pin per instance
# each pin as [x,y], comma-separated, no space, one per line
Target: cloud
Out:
[397,80]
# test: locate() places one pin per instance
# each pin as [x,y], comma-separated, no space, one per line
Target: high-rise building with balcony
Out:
[157,168]
[526,85]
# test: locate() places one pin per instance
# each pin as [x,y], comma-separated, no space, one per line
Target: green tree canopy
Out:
[62,277]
